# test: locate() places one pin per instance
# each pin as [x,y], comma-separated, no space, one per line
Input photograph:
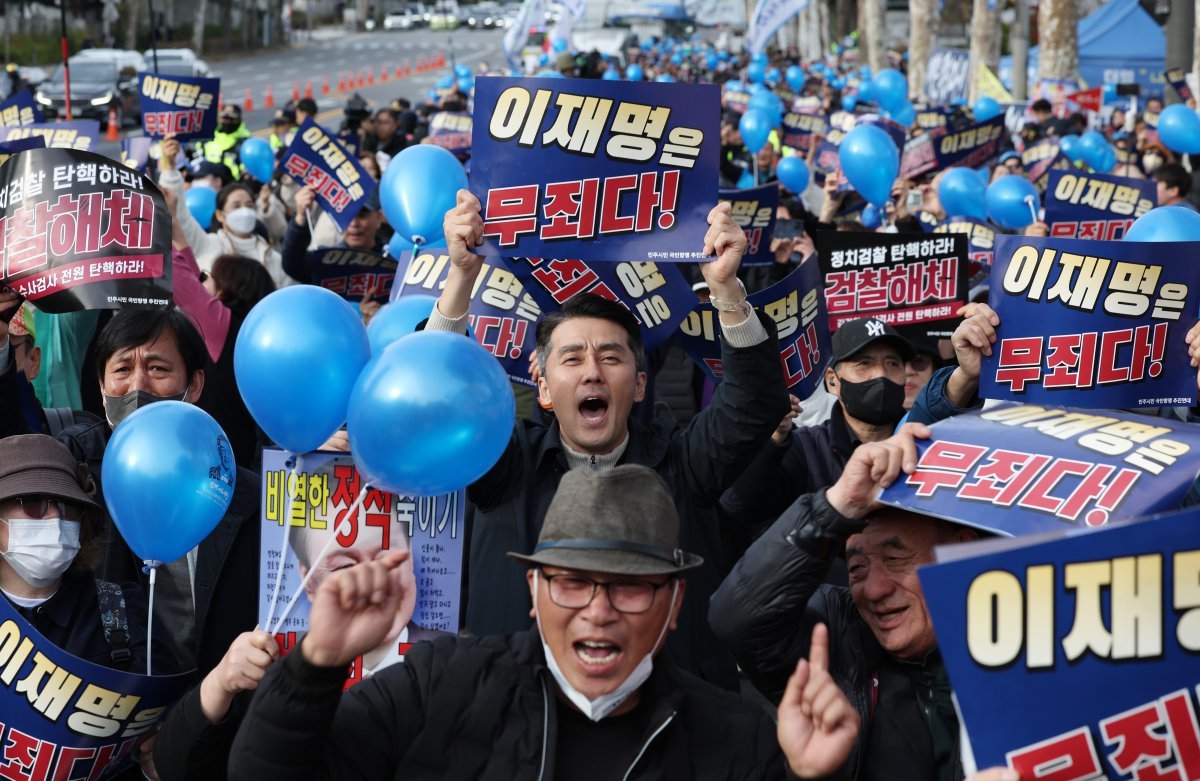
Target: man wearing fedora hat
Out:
[583,696]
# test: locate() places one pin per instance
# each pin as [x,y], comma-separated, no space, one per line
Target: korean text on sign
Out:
[1096,324]
[595,170]
[316,159]
[181,106]
[1095,206]
[754,209]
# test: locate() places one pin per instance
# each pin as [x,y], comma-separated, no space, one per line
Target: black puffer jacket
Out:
[480,708]
[765,612]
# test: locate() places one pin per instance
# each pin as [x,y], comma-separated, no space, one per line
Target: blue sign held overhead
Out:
[1095,206]
[185,107]
[595,170]
[317,159]
[20,109]
[754,210]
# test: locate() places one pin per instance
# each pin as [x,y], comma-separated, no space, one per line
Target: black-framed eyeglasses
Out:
[626,596]
[38,507]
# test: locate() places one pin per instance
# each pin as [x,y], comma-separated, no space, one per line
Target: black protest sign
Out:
[81,231]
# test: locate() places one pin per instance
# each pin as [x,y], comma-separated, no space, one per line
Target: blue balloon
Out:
[985,108]
[201,202]
[1179,129]
[755,127]
[466,84]
[759,58]
[870,160]
[168,476]
[1103,159]
[432,95]
[711,61]
[1091,141]
[866,91]
[418,187]
[559,44]
[838,83]
[768,103]
[398,244]
[890,88]
[1011,202]
[611,74]
[871,217]
[755,72]
[256,154]
[757,87]
[1166,223]
[665,78]
[849,102]
[746,180]
[677,59]
[398,319]
[296,358]
[1072,148]
[462,69]
[772,76]
[906,115]
[447,81]
[794,77]
[634,72]
[723,55]
[543,60]
[793,173]
[1110,92]
[430,415]
[962,194]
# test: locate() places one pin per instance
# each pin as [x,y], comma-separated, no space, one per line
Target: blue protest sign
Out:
[8,148]
[1090,637]
[799,129]
[826,160]
[452,130]
[797,306]
[1018,469]
[596,170]
[503,315]
[658,295]
[181,106]
[735,97]
[352,273]
[20,109]
[1095,206]
[981,245]
[68,718]
[317,159]
[934,117]
[914,282]
[754,210]
[1039,159]
[82,134]
[1092,324]
[135,152]
[971,146]
[1176,78]
[947,76]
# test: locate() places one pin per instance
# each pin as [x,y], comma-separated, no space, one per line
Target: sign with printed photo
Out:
[1018,469]
[798,309]
[317,159]
[1095,206]
[1092,324]
[754,209]
[68,718]
[1091,637]
[595,170]
[657,295]
[82,231]
[181,106]
[914,282]
[322,491]
[503,316]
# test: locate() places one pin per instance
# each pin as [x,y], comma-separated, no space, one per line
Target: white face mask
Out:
[41,551]
[606,703]
[241,220]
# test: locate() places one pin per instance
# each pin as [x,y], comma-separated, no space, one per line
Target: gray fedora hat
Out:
[622,521]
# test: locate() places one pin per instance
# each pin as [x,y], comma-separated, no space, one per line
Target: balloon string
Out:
[150,617]
[353,508]
[287,515]
[1032,208]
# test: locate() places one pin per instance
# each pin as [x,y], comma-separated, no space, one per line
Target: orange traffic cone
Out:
[295,90]
[220,100]
[407,68]
[399,70]
[420,65]
[113,133]
[269,98]
[383,75]
[341,82]
[249,105]
[362,80]
[370,77]
[308,88]
[324,85]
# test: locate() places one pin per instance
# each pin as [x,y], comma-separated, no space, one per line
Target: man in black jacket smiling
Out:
[584,696]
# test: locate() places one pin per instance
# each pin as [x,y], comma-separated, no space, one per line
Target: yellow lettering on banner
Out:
[48,687]
[313,135]
[699,323]
[1186,598]
[425,270]
[1137,607]
[149,86]
[1088,633]
[1039,616]
[994,618]
[16,660]
[99,711]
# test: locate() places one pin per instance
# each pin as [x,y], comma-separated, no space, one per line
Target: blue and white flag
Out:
[769,16]
[514,39]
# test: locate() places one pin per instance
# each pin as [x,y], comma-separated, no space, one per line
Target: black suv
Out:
[97,85]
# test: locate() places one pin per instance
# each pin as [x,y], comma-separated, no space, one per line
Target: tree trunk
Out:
[1059,42]
[227,26]
[131,9]
[984,38]
[813,26]
[922,17]
[198,18]
[847,18]
[871,30]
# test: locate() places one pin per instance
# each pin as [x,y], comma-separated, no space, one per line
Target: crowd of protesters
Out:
[632,481]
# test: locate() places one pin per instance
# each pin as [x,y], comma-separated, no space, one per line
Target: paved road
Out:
[329,56]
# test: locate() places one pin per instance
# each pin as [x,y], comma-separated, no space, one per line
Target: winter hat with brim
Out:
[38,465]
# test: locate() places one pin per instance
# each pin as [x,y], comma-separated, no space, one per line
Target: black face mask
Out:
[876,402]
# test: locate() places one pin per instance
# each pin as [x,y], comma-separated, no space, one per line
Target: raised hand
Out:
[241,669]
[353,611]
[817,724]
[874,466]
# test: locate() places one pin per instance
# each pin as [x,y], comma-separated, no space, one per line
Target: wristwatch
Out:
[734,305]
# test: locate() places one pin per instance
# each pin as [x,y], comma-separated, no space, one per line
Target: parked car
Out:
[178,62]
[124,58]
[400,20]
[97,85]
[484,16]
